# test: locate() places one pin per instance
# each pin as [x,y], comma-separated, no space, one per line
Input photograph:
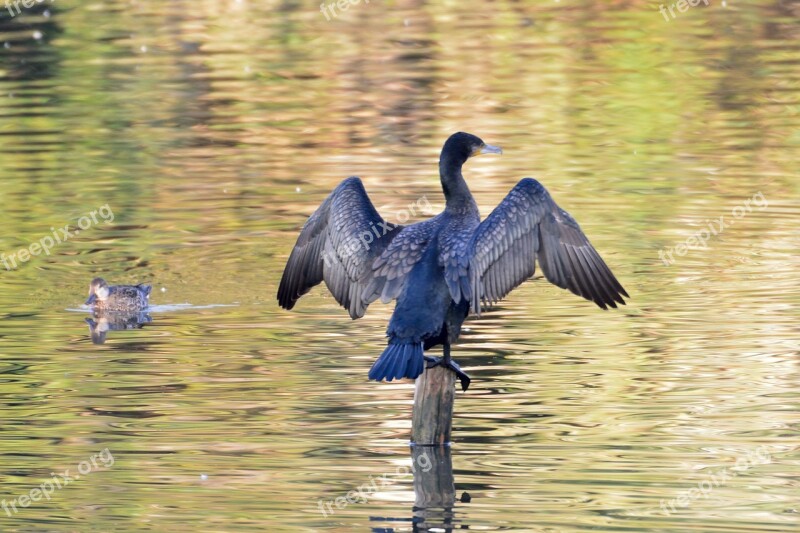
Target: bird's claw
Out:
[452,365]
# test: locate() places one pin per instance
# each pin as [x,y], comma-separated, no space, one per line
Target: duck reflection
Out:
[104,321]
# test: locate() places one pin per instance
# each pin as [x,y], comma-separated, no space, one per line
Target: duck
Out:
[127,298]
[442,269]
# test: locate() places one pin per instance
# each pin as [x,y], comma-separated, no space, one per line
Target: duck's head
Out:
[461,146]
[98,290]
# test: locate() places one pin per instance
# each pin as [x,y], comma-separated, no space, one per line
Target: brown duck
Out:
[103,297]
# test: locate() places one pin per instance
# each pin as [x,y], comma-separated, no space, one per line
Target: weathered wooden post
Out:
[432,420]
[431,428]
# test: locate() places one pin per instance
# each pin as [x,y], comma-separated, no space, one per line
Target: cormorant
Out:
[441,269]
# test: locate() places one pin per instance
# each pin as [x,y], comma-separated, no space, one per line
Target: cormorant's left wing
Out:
[526,227]
[338,245]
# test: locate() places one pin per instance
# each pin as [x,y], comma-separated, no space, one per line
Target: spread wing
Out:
[527,227]
[338,245]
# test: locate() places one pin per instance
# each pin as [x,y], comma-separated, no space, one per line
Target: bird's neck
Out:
[456,193]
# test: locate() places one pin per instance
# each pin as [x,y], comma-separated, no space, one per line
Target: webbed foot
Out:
[452,365]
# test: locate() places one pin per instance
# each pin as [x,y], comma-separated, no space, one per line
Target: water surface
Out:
[211,130]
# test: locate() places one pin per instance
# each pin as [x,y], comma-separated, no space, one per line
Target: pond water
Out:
[203,134]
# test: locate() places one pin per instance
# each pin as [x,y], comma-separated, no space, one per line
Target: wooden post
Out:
[432,421]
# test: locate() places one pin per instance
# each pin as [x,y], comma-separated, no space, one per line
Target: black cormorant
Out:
[440,269]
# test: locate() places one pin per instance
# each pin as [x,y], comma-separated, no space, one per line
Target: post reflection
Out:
[435,490]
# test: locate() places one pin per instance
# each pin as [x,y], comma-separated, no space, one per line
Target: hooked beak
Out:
[489,149]
[91,299]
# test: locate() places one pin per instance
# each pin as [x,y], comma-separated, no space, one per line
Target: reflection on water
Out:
[434,488]
[212,130]
[101,323]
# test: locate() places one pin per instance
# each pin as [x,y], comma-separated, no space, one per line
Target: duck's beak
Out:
[489,149]
[91,299]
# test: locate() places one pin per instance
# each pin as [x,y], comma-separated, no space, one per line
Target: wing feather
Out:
[334,247]
[528,227]
[392,267]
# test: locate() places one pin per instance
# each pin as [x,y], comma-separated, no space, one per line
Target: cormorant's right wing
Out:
[527,227]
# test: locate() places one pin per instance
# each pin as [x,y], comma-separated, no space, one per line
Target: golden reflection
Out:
[213,129]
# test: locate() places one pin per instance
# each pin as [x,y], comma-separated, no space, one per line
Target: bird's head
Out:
[461,146]
[98,290]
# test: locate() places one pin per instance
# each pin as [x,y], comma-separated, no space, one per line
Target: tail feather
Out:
[399,361]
